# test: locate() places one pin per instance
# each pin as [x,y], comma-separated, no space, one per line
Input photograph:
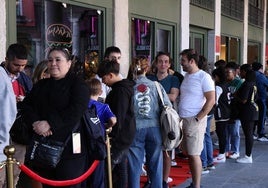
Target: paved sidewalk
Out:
[235,175]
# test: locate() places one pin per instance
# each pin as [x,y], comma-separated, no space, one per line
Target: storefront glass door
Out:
[45,24]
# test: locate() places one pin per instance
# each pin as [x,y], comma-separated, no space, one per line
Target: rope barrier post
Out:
[109,158]
[9,151]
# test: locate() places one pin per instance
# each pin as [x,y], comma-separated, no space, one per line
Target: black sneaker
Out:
[211,167]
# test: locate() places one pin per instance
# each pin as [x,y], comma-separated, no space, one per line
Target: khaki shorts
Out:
[193,135]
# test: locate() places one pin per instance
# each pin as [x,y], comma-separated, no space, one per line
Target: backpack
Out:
[171,130]
[96,145]
[20,132]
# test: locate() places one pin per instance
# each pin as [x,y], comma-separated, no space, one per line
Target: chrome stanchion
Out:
[109,165]
[9,151]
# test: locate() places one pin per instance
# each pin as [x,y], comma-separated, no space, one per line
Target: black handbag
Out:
[45,152]
[20,132]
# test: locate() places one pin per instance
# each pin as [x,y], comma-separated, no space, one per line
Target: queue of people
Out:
[55,100]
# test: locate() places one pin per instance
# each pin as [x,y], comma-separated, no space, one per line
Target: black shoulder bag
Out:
[46,152]
[20,132]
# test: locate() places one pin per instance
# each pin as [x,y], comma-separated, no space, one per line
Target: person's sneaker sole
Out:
[219,160]
[263,139]
[205,171]
[234,156]
[211,167]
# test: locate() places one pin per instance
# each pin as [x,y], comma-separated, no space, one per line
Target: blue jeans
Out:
[207,152]
[147,142]
[262,116]
[233,136]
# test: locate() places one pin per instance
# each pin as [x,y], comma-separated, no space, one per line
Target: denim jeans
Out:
[207,152]
[233,136]
[147,142]
[262,117]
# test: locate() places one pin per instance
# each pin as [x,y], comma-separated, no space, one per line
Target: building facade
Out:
[232,30]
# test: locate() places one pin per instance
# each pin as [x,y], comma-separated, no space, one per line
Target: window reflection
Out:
[44,24]
[230,49]
[141,37]
[253,52]
[163,40]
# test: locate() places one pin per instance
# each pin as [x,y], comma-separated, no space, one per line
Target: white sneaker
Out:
[205,170]
[173,163]
[263,139]
[245,159]
[234,156]
[169,180]
[255,137]
[220,158]
[143,172]
[211,167]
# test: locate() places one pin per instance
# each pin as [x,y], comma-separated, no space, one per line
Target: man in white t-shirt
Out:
[197,97]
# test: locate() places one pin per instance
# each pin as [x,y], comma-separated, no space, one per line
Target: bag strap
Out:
[3,66]
[74,129]
[159,92]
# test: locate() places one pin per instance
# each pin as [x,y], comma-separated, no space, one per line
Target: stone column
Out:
[122,33]
[185,24]
[264,43]
[245,35]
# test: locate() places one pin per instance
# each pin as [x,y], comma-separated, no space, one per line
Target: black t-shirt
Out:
[249,110]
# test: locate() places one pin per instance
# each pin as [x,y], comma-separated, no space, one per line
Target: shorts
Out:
[193,135]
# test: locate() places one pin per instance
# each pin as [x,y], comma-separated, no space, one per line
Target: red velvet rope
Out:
[77,180]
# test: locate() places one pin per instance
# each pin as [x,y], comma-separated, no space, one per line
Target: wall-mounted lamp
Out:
[99,12]
[64,5]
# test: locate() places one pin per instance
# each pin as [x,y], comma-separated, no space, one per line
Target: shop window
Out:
[223,50]
[141,37]
[253,52]
[150,37]
[208,4]
[44,24]
[234,48]
[256,14]
[197,42]
[233,8]
[230,49]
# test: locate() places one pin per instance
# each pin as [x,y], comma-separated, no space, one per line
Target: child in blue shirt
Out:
[104,112]
[107,119]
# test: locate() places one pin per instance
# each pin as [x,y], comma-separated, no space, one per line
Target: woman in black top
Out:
[53,108]
[248,111]
[222,111]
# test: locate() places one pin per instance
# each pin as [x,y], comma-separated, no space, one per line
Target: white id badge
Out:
[76,142]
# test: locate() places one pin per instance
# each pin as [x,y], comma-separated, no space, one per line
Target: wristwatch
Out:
[196,119]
